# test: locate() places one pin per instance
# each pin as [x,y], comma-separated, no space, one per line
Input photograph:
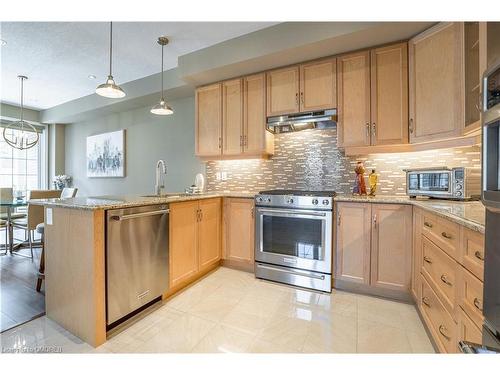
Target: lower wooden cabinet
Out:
[194,239]
[371,239]
[239,232]
[467,330]
[416,254]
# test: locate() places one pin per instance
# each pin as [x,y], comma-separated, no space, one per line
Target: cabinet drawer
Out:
[438,320]
[442,232]
[471,295]
[467,330]
[440,270]
[472,252]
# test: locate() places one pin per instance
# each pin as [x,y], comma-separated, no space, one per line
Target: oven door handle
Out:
[293,272]
[294,212]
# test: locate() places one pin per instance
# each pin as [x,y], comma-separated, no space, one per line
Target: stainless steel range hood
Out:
[301,121]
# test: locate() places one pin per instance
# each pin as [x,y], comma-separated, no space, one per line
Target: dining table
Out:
[10,206]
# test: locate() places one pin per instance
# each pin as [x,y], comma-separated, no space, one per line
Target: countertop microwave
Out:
[461,183]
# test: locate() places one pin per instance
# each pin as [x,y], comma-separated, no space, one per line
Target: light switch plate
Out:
[48,216]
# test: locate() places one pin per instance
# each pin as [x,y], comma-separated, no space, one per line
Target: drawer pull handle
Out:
[477,303]
[446,235]
[427,259]
[443,330]
[428,225]
[445,280]
[479,255]
[425,301]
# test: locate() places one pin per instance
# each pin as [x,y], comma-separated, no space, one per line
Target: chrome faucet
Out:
[161,168]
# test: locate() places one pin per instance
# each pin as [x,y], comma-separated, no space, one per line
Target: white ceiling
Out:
[58,57]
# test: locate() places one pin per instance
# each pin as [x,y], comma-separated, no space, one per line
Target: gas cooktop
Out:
[303,193]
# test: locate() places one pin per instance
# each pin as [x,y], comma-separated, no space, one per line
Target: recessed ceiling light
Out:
[91,76]
[3,42]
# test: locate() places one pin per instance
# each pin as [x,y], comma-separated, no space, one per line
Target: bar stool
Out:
[41,269]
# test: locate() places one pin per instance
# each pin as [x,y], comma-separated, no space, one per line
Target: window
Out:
[20,169]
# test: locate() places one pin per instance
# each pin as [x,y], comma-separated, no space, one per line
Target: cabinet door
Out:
[318,85]
[183,241]
[353,242]
[232,117]
[254,113]
[209,232]
[391,246]
[283,91]
[436,83]
[389,95]
[209,120]
[353,75]
[467,330]
[416,255]
[239,230]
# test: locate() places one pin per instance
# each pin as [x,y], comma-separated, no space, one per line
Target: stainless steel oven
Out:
[294,238]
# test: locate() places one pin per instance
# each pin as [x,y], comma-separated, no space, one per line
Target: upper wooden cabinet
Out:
[283,91]
[318,85]
[436,82]
[208,120]
[232,117]
[302,88]
[235,127]
[389,95]
[373,97]
[353,72]
[256,139]
[239,232]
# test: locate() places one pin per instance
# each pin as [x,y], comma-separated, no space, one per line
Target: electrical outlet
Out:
[224,176]
[218,176]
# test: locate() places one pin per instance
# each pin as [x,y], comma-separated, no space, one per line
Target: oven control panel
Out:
[295,201]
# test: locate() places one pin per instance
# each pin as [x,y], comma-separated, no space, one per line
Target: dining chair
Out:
[68,192]
[35,213]
[4,226]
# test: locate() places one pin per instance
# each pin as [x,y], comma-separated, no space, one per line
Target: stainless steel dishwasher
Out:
[136,259]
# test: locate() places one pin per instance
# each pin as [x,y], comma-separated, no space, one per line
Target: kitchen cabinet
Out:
[391,245]
[389,94]
[371,239]
[318,85]
[194,240]
[353,242]
[436,88]
[307,87]
[373,97]
[209,233]
[232,117]
[473,73]
[208,120]
[353,76]
[239,232]
[416,254]
[256,139]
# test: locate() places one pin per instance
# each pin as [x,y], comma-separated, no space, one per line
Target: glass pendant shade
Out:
[162,108]
[110,89]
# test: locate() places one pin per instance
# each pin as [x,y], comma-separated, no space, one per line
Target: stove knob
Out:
[260,199]
[458,186]
[326,202]
[268,200]
[458,193]
[289,200]
[315,201]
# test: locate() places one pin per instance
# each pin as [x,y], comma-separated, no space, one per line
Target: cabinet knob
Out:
[411,126]
[367,129]
[297,99]
[443,331]
[374,130]
[479,255]
[427,259]
[477,303]
[425,301]
[445,280]
[446,235]
[428,225]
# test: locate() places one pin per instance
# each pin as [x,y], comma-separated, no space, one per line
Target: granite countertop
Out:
[469,214]
[107,202]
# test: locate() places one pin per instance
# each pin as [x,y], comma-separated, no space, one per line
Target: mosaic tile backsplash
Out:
[311,160]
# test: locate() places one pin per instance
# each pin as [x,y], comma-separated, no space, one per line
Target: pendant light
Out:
[29,135]
[110,89]
[162,108]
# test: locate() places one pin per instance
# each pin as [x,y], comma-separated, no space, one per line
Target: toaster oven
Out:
[461,183]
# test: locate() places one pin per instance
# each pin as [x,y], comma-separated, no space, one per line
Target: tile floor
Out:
[231,311]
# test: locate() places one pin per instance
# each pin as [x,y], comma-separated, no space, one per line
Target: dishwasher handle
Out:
[138,215]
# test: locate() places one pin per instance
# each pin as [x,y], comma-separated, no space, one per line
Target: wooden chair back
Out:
[5,195]
[68,192]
